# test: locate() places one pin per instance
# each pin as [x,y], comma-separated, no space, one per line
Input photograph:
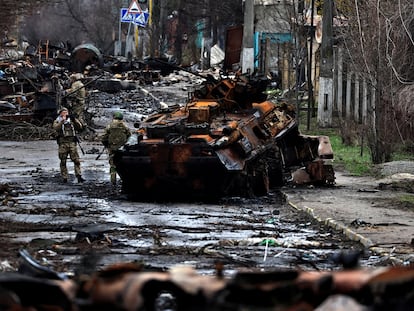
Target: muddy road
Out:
[60,223]
[68,226]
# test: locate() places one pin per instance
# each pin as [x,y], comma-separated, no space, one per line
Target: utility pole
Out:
[179,34]
[325,102]
[311,102]
[206,46]
[248,33]
[162,44]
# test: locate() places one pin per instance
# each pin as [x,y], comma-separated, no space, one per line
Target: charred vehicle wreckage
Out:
[128,286]
[227,140]
[31,81]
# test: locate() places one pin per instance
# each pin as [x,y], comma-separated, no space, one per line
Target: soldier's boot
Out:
[80,179]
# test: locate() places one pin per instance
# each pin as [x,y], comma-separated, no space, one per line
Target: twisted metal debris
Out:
[20,131]
[126,286]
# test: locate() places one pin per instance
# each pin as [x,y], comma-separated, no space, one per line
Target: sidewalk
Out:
[357,207]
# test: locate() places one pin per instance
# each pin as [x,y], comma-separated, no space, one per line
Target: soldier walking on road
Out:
[66,128]
[77,95]
[116,134]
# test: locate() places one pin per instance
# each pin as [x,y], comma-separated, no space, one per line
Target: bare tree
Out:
[97,22]
[207,18]
[379,41]
[77,21]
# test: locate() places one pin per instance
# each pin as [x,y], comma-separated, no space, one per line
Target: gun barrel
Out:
[80,146]
[100,153]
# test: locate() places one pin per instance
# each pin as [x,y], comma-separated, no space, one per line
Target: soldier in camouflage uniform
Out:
[66,128]
[77,95]
[116,134]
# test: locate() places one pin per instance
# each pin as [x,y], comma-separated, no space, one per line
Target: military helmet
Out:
[118,115]
[63,109]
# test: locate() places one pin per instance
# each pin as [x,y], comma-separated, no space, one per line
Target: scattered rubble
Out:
[128,286]
[127,85]
[30,96]
[227,140]
[31,84]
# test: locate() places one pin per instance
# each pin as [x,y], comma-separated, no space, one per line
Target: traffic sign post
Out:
[134,15]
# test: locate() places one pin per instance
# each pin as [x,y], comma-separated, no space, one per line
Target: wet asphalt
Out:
[59,224]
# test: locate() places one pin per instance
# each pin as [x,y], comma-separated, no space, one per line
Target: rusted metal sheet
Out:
[158,168]
[126,286]
[234,39]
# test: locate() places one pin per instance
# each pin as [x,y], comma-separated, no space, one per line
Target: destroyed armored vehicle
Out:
[226,141]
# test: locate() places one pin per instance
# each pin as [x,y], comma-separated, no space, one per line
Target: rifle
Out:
[80,146]
[100,153]
[84,86]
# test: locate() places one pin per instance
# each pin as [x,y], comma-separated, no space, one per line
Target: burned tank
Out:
[227,140]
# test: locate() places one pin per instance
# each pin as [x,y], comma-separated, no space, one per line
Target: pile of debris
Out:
[127,286]
[224,120]
[31,81]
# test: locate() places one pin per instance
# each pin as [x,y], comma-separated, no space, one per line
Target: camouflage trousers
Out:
[112,167]
[71,149]
[78,110]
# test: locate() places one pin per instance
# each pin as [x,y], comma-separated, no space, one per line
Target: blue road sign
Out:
[126,17]
[140,19]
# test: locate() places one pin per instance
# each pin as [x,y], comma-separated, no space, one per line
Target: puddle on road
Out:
[71,220]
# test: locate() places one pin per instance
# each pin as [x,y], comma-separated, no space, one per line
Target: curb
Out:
[349,233]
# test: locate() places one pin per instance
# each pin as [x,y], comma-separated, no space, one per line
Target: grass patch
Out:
[404,154]
[407,200]
[353,159]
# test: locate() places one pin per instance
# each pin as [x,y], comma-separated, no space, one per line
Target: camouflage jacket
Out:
[77,92]
[65,131]
[116,134]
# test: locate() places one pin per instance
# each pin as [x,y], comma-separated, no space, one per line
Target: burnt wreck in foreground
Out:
[228,140]
[127,286]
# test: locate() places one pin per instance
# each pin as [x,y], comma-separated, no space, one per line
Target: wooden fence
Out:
[353,94]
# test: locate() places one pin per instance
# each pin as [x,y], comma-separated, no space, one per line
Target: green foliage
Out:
[407,200]
[404,153]
[354,159]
